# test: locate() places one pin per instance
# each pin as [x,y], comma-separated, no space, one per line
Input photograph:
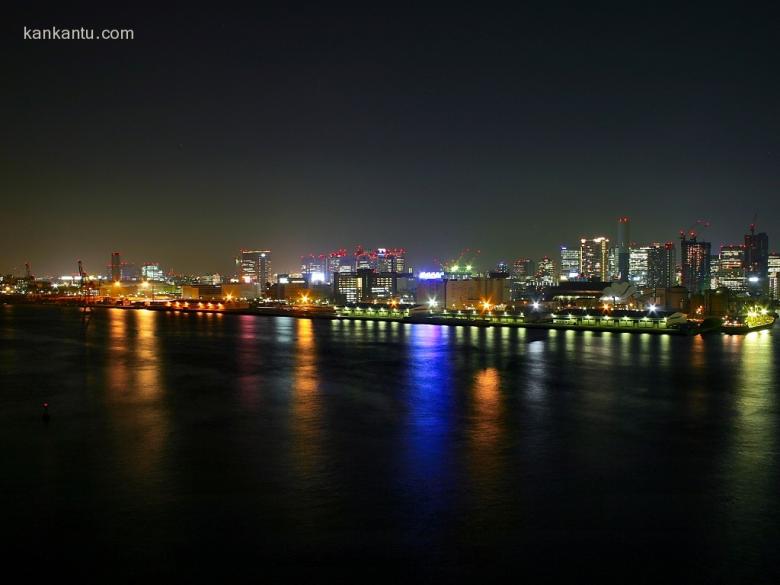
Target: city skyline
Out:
[480,260]
[305,124]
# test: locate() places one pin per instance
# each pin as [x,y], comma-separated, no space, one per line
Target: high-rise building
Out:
[152,271]
[338,261]
[594,256]
[116,267]
[570,263]
[757,261]
[364,285]
[545,272]
[390,260]
[346,287]
[639,266]
[255,267]
[623,249]
[695,258]
[661,265]
[773,269]
[522,269]
[731,267]
[314,268]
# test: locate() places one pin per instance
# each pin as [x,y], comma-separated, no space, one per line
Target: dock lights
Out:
[432,303]
[535,305]
[651,308]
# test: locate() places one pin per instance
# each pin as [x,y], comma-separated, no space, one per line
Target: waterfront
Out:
[185,444]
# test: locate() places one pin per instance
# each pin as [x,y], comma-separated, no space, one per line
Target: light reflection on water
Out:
[400,438]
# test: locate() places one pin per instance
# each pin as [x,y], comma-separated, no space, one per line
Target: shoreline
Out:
[418,320]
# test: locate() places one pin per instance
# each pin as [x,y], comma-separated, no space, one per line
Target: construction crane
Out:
[694,230]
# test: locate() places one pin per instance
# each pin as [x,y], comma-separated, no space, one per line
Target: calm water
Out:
[194,445]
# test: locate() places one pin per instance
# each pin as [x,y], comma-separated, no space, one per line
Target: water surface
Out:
[186,445]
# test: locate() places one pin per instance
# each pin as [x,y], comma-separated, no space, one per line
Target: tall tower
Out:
[757,261]
[594,258]
[116,267]
[254,267]
[661,265]
[623,248]
[695,258]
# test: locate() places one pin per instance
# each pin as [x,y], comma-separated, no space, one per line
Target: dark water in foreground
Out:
[185,446]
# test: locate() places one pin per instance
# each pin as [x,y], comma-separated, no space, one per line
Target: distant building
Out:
[255,267]
[757,261]
[545,272]
[315,267]
[661,265]
[364,286]
[116,267]
[623,249]
[152,271]
[337,261]
[773,270]
[464,293]
[594,256]
[570,263]
[731,267]
[639,266]
[695,258]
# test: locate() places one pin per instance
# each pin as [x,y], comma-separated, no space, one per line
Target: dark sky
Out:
[306,129]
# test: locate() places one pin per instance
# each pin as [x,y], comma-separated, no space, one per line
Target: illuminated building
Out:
[152,271]
[364,285]
[255,267]
[522,275]
[731,267]
[594,258]
[639,266]
[346,287]
[377,285]
[472,293]
[622,249]
[570,263]
[391,260]
[116,267]
[773,270]
[522,269]
[381,259]
[337,261]
[661,265]
[545,272]
[757,261]
[695,258]
[314,268]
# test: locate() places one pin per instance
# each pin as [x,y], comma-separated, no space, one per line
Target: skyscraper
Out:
[622,249]
[639,266]
[661,265]
[774,274]
[570,263]
[594,257]
[731,268]
[757,261]
[255,267]
[695,258]
[545,272]
[116,267]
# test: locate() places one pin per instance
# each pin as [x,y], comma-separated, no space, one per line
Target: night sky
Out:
[305,129]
